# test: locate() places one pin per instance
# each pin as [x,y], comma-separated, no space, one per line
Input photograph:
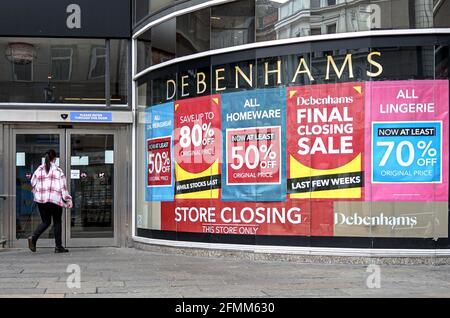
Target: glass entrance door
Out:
[91,171]
[87,158]
[30,148]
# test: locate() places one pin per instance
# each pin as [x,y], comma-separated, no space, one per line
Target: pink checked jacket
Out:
[51,187]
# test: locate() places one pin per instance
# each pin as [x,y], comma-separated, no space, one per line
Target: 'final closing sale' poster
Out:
[325,141]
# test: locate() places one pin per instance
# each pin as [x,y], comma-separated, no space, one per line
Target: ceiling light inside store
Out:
[216,18]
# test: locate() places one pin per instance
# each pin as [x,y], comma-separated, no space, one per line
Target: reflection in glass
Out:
[193,32]
[119,71]
[441,13]
[163,41]
[30,150]
[266,17]
[144,51]
[282,19]
[404,63]
[92,187]
[142,8]
[233,24]
[164,88]
[36,70]
[441,61]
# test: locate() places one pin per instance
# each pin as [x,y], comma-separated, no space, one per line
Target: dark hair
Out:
[49,156]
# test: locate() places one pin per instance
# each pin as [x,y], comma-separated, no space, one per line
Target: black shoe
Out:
[31,244]
[61,250]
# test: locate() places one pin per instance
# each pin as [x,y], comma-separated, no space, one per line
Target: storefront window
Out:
[142,8]
[441,13]
[119,71]
[441,53]
[52,70]
[407,63]
[163,41]
[193,32]
[333,143]
[144,51]
[233,24]
[296,18]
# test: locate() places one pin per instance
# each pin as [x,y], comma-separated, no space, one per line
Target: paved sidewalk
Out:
[114,272]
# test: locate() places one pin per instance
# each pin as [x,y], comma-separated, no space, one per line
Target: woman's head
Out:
[50,156]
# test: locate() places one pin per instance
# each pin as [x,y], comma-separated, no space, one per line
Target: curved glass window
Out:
[143,8]
[193,32]
[232,24]
[326,143]
[246,21]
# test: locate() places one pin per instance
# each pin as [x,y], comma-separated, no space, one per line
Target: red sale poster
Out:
[325,141]
[159,161]
[197,147]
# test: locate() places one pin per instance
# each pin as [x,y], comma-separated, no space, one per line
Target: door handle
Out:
[3,197]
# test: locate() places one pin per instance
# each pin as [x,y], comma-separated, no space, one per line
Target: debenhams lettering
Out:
[196,82]
[380,220]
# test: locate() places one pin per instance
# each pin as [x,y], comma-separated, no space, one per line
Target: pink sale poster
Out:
[406,140]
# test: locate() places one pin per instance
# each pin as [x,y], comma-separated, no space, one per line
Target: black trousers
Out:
[49,211]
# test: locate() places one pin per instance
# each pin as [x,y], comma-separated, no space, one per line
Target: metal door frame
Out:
[12,184]
[93,242]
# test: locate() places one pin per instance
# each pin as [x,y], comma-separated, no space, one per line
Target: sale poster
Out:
[197,147]
[253,124]
[325,141]
[159,178]
[408,145]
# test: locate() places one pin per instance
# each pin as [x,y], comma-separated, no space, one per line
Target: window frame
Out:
[70,58]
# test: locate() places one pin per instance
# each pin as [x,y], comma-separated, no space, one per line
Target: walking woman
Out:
[51,195]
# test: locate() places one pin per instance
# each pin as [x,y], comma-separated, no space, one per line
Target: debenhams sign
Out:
[269,74]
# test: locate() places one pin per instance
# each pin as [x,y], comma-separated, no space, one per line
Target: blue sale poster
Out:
[407,152]
[253,129]
[159,178]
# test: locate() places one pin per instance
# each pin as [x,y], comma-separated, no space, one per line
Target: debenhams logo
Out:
[380,220]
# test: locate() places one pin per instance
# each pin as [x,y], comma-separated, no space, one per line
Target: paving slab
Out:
[128,272]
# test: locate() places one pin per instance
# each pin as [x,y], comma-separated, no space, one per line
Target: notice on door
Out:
[91,116]
[74,174]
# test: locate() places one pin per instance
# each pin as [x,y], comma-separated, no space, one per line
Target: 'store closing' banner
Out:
[197,147]
[159,178]
[248,218]
[253,143]
[325,140]
[407,150]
